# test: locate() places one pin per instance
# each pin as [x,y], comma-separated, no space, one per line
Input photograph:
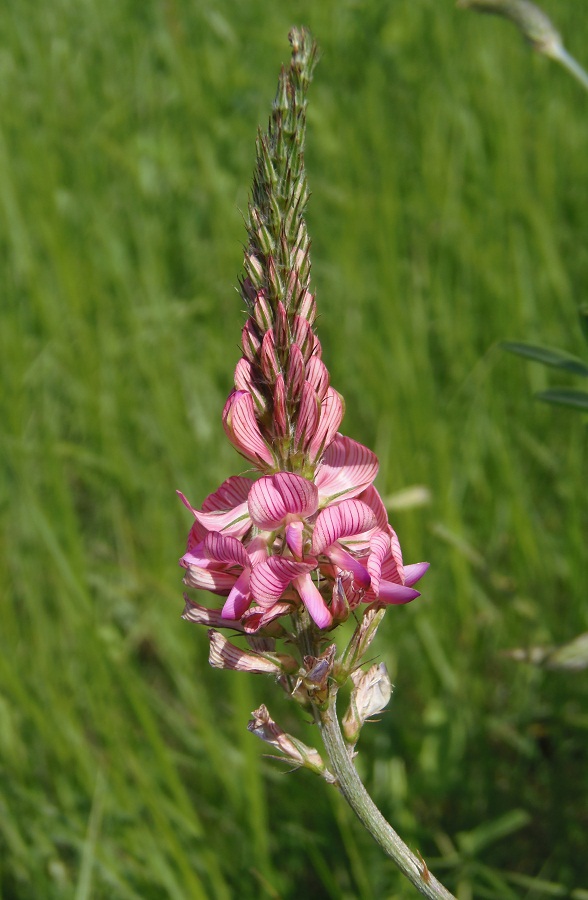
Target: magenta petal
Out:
[345,519]
[243,430]
[347,468]
[239,599]
[274,497]
[270,579]
[312,599]
[414,572]
[390,592]
[347,563]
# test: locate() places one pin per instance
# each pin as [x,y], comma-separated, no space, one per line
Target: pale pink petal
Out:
[307,420]
[240,597]
[350,517]
[235,522]
[229,495]
[224,655]
[312,599]
[270,579]
[201,615]
[243,430]
[268,357]
[251,341]
[375,503]
[346,469]
[295,372]
[274,497]
[318,376]
[379,548]
[209,580]
[295,538]
[280,418]
[257,617]
[245,381]
[332,409]
[392,568]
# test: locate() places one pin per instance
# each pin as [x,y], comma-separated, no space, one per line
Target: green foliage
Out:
[449,192]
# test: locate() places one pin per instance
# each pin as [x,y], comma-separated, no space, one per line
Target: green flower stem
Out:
[352,788]
[573,67]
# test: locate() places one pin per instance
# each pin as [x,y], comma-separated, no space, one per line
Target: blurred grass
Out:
[448,170]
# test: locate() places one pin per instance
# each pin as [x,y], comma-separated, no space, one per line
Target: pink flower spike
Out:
[345,519]
[280,414]
[243,430]
[295,372]
[332,409]
[274,497]
[347,468]
[312,599]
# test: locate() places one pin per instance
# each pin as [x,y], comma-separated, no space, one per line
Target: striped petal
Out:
[274,497]
[345,519]
[307,419]
[332,409]
[270,579]
[201,615]
[224,655]
[347,468]
[243,430]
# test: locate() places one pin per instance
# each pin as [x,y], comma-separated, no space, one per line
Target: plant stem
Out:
[573,67]
[352,788]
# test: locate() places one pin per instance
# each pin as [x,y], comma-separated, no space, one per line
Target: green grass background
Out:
[449,177]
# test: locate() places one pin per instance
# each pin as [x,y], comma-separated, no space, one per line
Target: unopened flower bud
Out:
[371,693]
[295,751]
[225,655]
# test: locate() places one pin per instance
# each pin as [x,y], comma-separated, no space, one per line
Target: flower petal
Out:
[414,572]
[270,579]
[347,468]
[224,655]
[390,592]
[332,409]
[242,428]
[201,615]
[313,600]
[274,497]
[240,597]
[350,517]
[225,549]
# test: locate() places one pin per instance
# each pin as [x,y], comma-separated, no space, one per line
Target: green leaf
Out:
[565,397]
[548,356]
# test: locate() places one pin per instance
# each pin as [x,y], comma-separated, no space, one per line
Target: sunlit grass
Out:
[448,172]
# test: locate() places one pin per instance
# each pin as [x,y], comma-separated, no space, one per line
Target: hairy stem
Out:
[352,788]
